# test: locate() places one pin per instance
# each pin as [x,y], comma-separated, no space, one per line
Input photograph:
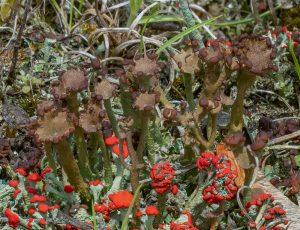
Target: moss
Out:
[290,17]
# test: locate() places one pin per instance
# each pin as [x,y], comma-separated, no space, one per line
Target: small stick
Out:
[11,74]
[284,138]
[272,10]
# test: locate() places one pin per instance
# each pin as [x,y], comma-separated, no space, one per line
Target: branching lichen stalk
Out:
[49,154]
[244,82]
[188,88]
[106,161]
[83,160]
[71,168]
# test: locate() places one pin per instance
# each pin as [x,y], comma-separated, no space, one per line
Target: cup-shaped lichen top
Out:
[90,118]
[216,51]
[71,81]
[146,101]
[104,90]
[54,126]
[255,54]
[145,66]
[187,61]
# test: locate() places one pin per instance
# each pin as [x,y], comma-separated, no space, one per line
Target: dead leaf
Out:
[222,150]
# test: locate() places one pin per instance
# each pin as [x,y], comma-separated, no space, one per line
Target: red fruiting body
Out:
[68,188]
[138,213]
[13,218]
[271,213]
[46,171]
[117,151]
[151,210]
[37,199]
[42,221]
[34,177]
[31,211]
[162,175]
[104,210]
[184,226]
[29,224]
[120,200]
[95,183]
[43,208]
[16,193]
[205,160]
[113,142]
[31,190]
[21,171]
[174,189]
[56,206]
[13,183]
[222,186]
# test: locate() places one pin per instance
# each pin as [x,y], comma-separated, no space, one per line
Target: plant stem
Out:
[71,168]
[162,200]
[49,154]
[145,118]
[71,15]
[188,88]
[106,162]
[83,161]
[11,74]
[94,158]
[111,117]
[244,82]
[134,174]
[116,129]
[246,20]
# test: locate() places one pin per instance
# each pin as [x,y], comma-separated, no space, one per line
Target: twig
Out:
[284,138]
[139,17]
[254,9]
[114,7]
[238,198]
[279,147]
[270,92]
[11,74]
[272,10]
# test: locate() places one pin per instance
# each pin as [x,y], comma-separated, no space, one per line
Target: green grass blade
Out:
[296,62]
[126,218]
[245,20]
[161,18]
[184,33]
[135,6]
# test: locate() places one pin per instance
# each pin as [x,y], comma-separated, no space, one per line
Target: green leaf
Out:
[297,159]
[184,33]
[135,6]
[6,7]
[161,18]
[296,62]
